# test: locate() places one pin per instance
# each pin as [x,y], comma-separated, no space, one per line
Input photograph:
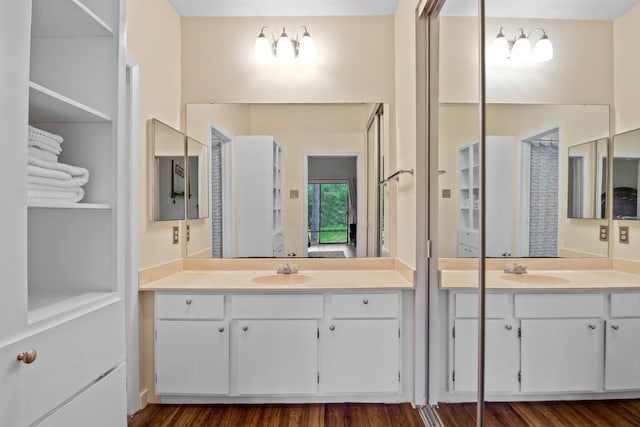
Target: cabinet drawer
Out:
[70,356]
[469,238]
[625,304]
[559,305]
[277,306]
[364,305]
[466,306]
[189,306]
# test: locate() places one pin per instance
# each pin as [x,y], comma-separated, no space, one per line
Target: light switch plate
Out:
[624,234]
[604,233]
[293,194]
[446,194]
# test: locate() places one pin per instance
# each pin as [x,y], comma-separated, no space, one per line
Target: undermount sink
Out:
[535,279]
[282,279]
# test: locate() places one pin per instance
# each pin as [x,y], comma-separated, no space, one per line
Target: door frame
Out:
[359,198]
[217,133]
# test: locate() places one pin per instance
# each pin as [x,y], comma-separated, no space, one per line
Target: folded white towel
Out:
[55,182]
[37,167]
[51,147]
[41,154]
[40,133]
[43,192]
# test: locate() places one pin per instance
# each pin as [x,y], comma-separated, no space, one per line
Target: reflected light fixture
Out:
[519,48]
[285,48]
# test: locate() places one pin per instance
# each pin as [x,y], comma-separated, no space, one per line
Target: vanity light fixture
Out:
[520,47]
[285,48]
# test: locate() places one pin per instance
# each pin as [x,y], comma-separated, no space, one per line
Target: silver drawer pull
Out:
[365,301]
[188,301]
[245,328]
[331,328]
[508,327]
[592,326]
[615,327]
[221,329]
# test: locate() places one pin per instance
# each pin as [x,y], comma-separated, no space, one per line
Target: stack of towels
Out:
[49,181]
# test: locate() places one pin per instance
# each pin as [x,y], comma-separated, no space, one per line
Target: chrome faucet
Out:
[287,268]
[514,268]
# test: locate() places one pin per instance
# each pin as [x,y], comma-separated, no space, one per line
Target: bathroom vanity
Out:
[257,336]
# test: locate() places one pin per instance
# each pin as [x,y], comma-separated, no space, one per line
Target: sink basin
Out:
[535,279]
[282,279]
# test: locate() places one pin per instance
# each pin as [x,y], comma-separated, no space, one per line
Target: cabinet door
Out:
[561,354]
[622,357]
[192,357]
[276,356]
[360,356]
[501,355]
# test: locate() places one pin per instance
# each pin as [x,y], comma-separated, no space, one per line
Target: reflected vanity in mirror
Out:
[527,198]
[626,175]
[587,180]
[169,173]
[322,180]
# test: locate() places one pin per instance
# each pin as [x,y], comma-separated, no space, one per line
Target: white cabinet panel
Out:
[276,356]
[104,404]
[189,306]
[559,305]
[622,357]
[360,356]
[192,357]
[277,306]
[496,305]
[625,304]
[365,305]
[502,355]
[561,355]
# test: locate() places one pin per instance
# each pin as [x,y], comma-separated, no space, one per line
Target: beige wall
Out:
[153,40]
[578,124]
[354,64]
[626,65]
[581,71]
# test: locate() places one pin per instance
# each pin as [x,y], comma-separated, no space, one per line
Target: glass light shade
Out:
[543,50]
[262,49]
[284,48]
[307,48]
[499,48]
[521,50]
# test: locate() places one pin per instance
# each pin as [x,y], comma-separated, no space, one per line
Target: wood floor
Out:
[602,413]
[308,415]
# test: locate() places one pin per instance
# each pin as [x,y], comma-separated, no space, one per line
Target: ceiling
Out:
[284,7]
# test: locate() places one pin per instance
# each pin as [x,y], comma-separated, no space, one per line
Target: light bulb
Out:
[499,49]
[543,50]
[284,48]
[307,47]
[521,50]
[262,49]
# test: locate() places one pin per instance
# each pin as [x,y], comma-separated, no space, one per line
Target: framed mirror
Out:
[626,175]
[587,167]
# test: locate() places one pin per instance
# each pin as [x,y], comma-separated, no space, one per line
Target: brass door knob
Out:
[28,357]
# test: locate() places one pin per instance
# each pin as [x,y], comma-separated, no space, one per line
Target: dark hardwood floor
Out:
[308,415]
[600,413]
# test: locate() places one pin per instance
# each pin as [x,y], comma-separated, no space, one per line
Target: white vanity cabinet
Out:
[192,344]
[622,343]
[361,344]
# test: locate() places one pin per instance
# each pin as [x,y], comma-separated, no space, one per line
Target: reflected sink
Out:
[535,279]
[282,279]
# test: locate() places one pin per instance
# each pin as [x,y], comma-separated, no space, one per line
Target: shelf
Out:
[45,304]
[66,18]
[47,106]
[96,206]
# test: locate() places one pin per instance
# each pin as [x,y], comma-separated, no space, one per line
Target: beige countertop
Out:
[241,280]
[542,280]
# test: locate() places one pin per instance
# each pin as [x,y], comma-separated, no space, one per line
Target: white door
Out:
[192,357]
[360,356]
[499,196]
[276,356]
[560,355]
[501,355]
[622,357]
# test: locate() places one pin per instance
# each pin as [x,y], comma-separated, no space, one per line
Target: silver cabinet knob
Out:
[188,301]
[245,328]
[365,301]
[615,327]
[331,328]
[592,326]
[508,327]
[221,329]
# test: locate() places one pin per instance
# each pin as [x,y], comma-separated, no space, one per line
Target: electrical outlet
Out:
[293,194]
[446,194]
[604,233]
[624,234]
[176,235]
[188,233]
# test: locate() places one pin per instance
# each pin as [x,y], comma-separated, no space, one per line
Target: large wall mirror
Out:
[587,168]
[626,175]
[166,146]
[309,173]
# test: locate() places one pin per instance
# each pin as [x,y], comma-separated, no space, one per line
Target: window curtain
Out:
[216,199]
[543,201]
